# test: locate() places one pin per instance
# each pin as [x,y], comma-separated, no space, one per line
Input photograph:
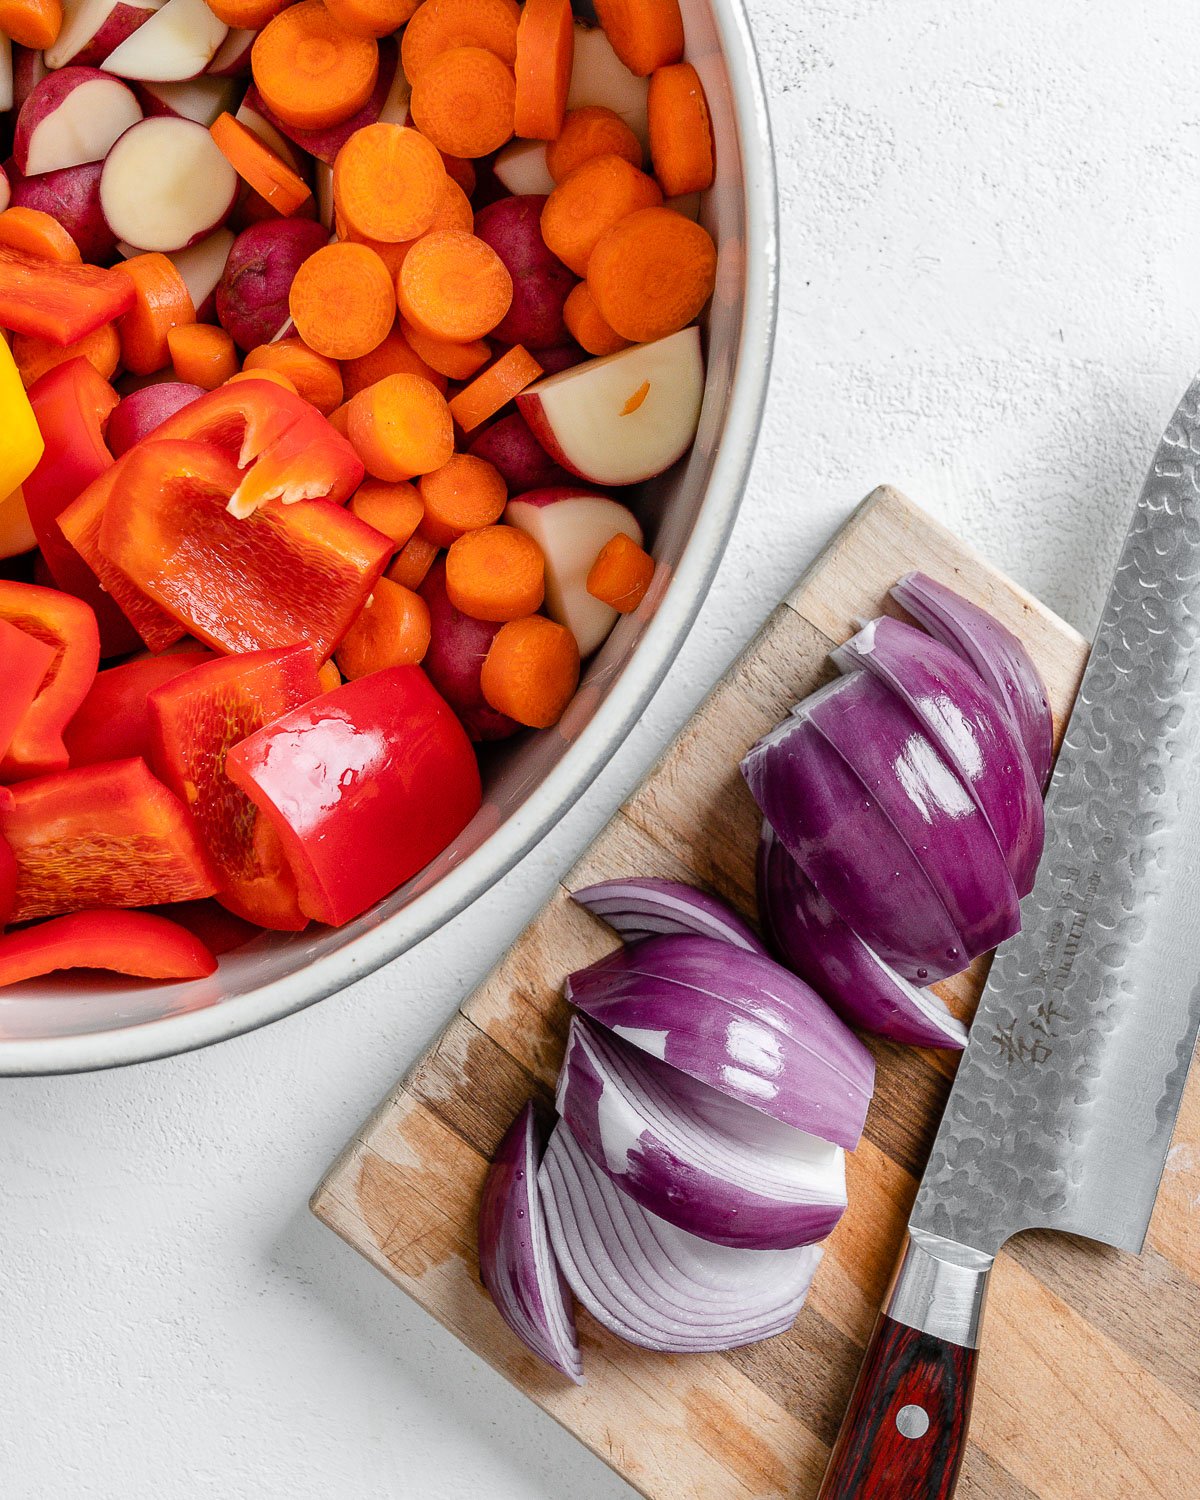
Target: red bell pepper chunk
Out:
[71,404]
[285,575]
[80,524]
[193,722]
[59,301]
[68,626]
[311,461]
[113,722]
[127,942]
[24,662]
[107,835]
[365,785]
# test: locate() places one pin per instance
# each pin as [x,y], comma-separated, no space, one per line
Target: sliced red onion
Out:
[995,654]
[740,1023]
[653,1284]
[822,814]
[967,725]
[516,1264]
[702,1161]
[918,792]
[645,907]
[813,940]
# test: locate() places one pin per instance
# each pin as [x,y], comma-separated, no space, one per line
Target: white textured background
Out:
[991,297]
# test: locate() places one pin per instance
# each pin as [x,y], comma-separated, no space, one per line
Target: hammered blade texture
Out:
[1062,1111]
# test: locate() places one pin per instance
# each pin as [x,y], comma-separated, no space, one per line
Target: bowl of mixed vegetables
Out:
[378,379]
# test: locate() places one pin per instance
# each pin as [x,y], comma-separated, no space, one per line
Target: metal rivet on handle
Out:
[912,1421]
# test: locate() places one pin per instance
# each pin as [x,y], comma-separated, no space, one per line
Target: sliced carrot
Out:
[392,630]
[531,671]
[37,233]
[32,23]
[465,102]
[247,15]
[317,378]
[339,419]
[652,273]
[441,25]
[587,327]
[311,73]
[545,53]
[328,676]
[162,303]
[495,573]
[586,204]
[447,359]
[496,387]
[272,375]
[681,143]
[202,355]
[591,131]
[395,356]
[413,562]
[395,510]
[453,286]
[388,183]
[645,34]
[621,574]
[254,162]
[342,300]
[392,255]
[401,426]
[462,495]
[371,17]
[34,356]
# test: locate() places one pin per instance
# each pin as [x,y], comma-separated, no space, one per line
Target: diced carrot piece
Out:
[681,142]
[495,573]
[254,162]
[495,388]
[392,630]
[401,426]
[531,671]
[316,377]
[162,303]
[394,509]
[621,574]
[202,354]
[465,493]
[413,562]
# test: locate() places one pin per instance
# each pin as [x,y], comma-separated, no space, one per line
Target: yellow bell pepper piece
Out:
[16,534]
[21,443]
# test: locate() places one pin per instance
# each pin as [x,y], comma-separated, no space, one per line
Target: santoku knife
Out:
[1062,1110]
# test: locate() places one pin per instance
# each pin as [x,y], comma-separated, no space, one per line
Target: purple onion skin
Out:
[507,1266]
[665,906]
[917,791]
[740,1023]
[702,1203]
[968,726]
[999,658]
[822,814]
[810,937]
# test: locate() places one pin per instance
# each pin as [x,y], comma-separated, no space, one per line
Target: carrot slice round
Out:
[545,53]
[465,102]
[652,273]
[440,25]
[342,301]
[681,143]
[310,71]
[388,183]
[453,286]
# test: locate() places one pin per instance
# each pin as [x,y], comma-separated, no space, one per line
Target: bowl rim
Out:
[648,665]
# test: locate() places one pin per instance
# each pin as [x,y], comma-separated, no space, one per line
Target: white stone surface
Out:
[991,299]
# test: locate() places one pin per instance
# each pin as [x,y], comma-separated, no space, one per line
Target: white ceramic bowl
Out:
[55,1026]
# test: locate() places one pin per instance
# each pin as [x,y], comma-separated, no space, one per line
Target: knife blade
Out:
[1065,1099]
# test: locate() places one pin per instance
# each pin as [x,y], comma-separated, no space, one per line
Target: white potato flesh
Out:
[177,42]
[165,184]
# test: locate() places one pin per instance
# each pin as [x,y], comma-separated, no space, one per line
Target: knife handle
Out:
[905,1432]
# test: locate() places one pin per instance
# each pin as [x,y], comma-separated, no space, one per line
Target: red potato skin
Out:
[137,415]
[541,283]
[454,662]
[252,295]
[121,22]
[530,407]
[29,68]
[511,447]
[72,196]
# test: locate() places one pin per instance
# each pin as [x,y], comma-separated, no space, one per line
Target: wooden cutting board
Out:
[1089,1384]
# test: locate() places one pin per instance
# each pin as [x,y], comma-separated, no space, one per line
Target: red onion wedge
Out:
[813,940]
[822,814]
[516,1263]
[967,725]
[995,654]
[740,1023]
[641,908]
[653,1284]
[917,791]
[702,1161]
